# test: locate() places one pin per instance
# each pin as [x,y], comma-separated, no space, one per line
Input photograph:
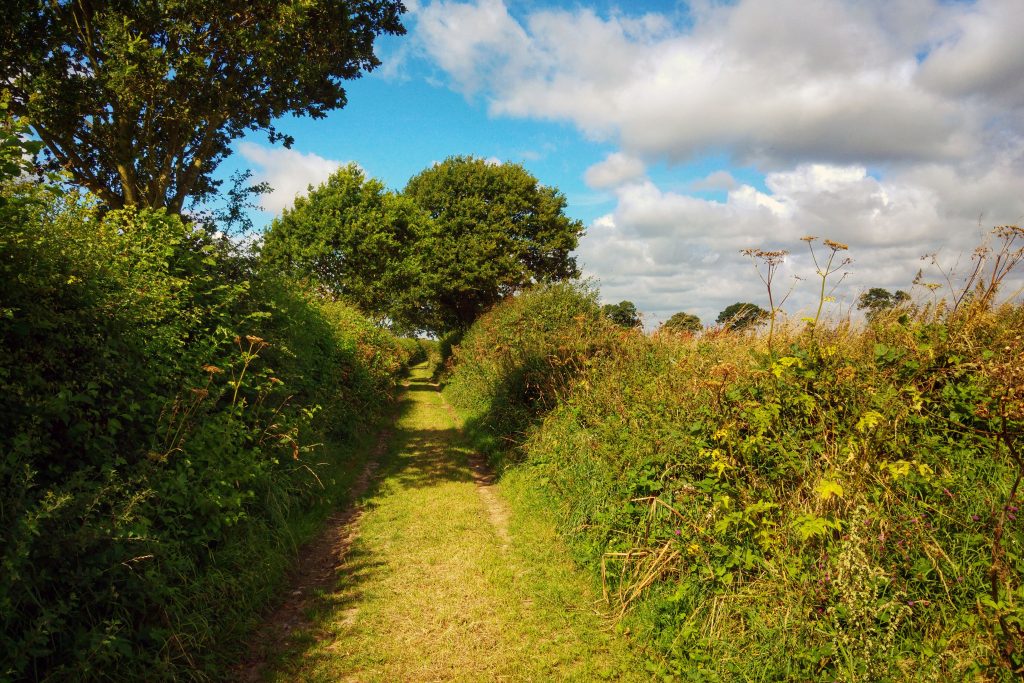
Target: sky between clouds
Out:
[685,133]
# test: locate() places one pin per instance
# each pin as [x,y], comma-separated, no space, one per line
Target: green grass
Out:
[445,581]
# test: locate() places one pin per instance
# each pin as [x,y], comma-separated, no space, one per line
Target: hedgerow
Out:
[833,504]
[159,405]
[515,363]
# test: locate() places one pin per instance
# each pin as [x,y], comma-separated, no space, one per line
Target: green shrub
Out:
[840,506]
[517,360]
[831,511]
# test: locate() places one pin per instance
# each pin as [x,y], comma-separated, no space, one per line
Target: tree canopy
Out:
[623,314]
[496,231]
[876,300]
[357,240]
[740,315]
[463,235]
[139,101]
[683,322]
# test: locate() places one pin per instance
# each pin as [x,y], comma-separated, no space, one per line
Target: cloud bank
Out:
[895,126]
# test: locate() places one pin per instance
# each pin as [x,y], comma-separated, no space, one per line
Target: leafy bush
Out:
[156,402]
[517,360]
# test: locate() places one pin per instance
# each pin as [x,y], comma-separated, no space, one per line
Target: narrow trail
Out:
[436,578]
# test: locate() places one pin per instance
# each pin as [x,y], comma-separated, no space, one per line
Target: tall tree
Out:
[877,300]
[683,322]
[497,230]
[357,240]
[140,100]
[623,314]
[739,316]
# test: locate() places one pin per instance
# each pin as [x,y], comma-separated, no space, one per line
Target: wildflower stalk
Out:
[830,267]
[255,346]
[771,260]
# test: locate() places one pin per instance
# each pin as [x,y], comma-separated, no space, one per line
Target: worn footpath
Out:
[433,576]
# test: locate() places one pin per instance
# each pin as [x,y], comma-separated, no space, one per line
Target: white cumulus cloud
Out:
[288,171]
[896,126]
[616,169]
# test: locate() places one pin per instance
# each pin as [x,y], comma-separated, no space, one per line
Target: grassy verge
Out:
[825,503]
[256,567]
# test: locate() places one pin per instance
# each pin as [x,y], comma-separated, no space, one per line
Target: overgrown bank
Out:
[160,404]
[840,506]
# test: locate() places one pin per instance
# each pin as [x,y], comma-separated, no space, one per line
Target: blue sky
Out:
[683,133]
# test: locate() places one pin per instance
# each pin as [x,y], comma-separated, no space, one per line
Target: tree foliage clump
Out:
[139,101]
[740,316]
[462,236]
[683,322]
[623,314]
[496,231]
[358,241]
[877,300]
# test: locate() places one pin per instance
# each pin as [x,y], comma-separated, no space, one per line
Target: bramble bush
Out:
[159,401]
[838,503]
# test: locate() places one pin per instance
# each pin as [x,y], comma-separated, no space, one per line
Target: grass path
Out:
[440,579]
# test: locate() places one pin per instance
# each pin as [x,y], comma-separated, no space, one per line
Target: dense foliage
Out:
[740,316]
[514,364]
[496,231]
[139,101]
[683,322]
[358,241]
[463,235]
[877,300]
[158,404]
[844,506]
[623,314]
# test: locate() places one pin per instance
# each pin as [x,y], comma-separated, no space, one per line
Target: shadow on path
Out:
[333,569]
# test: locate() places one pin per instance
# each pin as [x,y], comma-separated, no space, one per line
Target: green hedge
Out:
[158,401]
[516,361]
[843,508]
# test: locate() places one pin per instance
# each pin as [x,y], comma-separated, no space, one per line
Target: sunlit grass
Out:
[430,590]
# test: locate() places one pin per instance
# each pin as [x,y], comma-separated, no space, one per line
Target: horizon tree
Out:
[623,314]
[741,315]
[877,300]
[683,322]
